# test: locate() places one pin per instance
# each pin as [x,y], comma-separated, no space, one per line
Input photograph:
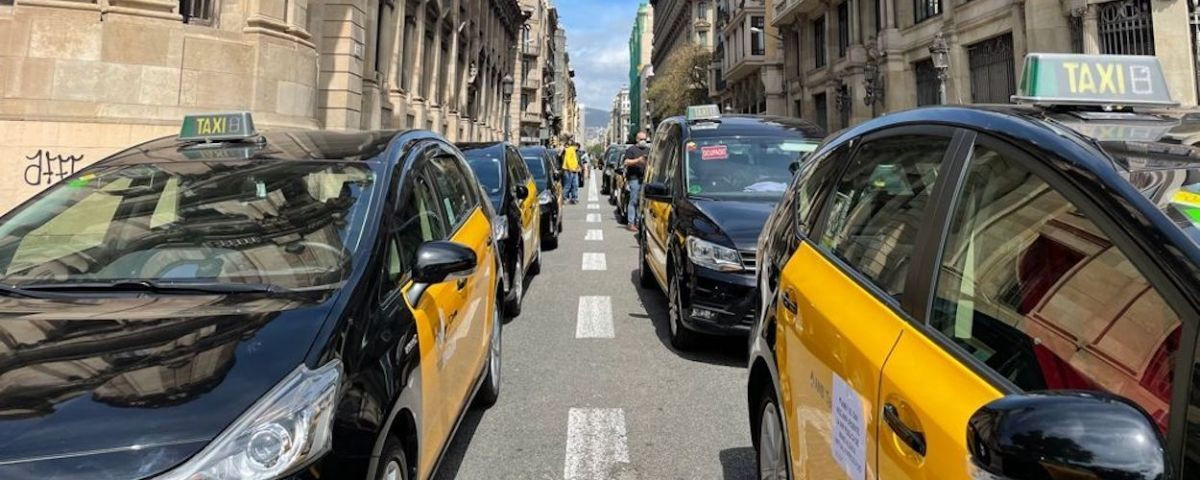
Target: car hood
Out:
[739,220]
[129,387]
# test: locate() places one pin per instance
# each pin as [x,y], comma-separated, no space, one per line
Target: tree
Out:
[683,81]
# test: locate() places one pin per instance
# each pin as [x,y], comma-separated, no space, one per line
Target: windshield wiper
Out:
[151,286]
[14,291]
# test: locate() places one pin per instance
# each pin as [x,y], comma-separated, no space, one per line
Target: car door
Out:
[839,307]
[1029,293]
[469,325]
[528,206]
[660,169]
[421,219]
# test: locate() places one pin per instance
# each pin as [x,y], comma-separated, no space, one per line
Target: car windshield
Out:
[537,167]
[294,224]
[1173,185]
[743,166]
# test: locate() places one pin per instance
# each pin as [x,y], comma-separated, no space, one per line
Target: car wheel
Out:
[681,337]
[392,464]
[536,267]
[516,289]
[489,392]
[645,277]
[772,451]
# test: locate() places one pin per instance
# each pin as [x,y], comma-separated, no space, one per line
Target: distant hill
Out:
[595,117]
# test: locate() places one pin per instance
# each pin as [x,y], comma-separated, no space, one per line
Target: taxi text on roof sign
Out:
[703,112]
[1102,80]
[216,127]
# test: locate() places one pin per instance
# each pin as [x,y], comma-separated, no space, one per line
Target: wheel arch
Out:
[760,383]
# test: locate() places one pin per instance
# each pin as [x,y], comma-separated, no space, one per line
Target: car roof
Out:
[276,145]
[467,146]
[751,125]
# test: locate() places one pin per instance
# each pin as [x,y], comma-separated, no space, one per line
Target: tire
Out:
[536,267]
[645,276]
[489,392]
[392,464]
[681,337]
[516,289]
[771,457]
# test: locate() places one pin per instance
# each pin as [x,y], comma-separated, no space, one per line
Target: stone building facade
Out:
[681,22]
[848,61]
[618,119]
[748,62]
[82,79]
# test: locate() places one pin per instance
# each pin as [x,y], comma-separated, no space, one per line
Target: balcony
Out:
[790,11]
[531,49]
[531,117]
[532,83]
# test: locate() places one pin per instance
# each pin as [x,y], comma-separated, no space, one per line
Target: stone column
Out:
[417,97]
[396,95]
[450,102]
[1091,30]
[341,98]
[772,81]
[1172,38]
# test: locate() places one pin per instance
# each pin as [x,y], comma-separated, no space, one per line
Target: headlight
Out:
[287,428]
[544,197]
[710,255]
[500,227]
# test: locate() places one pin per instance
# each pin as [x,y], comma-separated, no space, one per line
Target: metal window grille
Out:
[197,11]
[993,77]
[1126,28]
[927,82]
[822,111]
[819,42]
[843,20]
[924,9]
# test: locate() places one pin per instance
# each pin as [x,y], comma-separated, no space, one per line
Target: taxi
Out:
[990,292]
[710,182]
[548,179]
[513,195]
[228,304]
[612,162]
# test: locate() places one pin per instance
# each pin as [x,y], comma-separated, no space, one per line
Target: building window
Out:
[702,10]
[1126,28]
[822,111]
[406,55]
[924,9]
[819,42]
[927,82]
[702,38]
[843,20]
[843,103]
[993,77]
[198,12]
[758,44]
[877,5]
[799,106]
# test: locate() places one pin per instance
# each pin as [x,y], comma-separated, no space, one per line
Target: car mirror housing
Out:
[1040,435]
[440,261]
[522,192]
[657,191]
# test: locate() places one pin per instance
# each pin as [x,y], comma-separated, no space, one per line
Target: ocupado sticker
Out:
[714,152]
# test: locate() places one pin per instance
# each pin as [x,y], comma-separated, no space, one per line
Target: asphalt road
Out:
[591,388]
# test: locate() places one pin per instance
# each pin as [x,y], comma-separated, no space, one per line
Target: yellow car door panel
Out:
[833,339]
[431,313]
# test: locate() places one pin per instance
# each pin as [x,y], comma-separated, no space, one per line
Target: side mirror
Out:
[558,175]
[794,167]
[1072,434]
[522,192]
[440,261]
[657,191]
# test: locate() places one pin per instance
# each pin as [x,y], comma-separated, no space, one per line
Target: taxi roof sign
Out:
[703,112]
[217,127]
[1099,80]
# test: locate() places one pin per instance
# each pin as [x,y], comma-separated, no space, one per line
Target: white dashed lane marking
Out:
[595,235]
[594,319]
[593,218]
[593,206]
[594,261]
[596,443]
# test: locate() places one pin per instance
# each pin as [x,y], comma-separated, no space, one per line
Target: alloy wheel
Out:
[393,471]
[772,463]
[494,353]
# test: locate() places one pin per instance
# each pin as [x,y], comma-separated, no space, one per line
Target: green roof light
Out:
[217,127]
[1098,80]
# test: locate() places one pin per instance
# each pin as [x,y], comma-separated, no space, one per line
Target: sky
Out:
[598,42]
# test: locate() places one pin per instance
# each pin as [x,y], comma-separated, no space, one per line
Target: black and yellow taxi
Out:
[609,168]
[513,194]
[711,181]
[990,292]
[227,304]
[548,179]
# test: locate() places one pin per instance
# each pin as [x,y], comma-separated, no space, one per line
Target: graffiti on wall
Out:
[45,168]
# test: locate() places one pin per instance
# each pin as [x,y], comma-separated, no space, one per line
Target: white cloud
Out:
[598,42]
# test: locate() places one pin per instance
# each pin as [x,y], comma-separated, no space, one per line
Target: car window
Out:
[815,177]
[1032,288]
[671,146]
[418,221]
[453,190]
[1191,466]
[658,153]
[519,168]
[727,166]
[879,204]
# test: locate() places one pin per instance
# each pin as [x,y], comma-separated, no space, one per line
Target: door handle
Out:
[462,283]
[789,302]
[910,437]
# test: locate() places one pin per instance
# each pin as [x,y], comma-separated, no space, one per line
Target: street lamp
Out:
[506,86]
[939,53]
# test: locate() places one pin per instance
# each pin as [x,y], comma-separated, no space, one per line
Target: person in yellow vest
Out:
[571,170]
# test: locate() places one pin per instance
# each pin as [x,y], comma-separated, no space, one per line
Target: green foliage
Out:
[683,82]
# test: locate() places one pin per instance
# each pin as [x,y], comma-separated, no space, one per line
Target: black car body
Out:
[710,185]
[611,167]
[1131,175]
[231,278]
[514,195]
[548,178]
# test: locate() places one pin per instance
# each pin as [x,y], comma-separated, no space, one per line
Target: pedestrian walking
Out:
[571,169]
[635,168]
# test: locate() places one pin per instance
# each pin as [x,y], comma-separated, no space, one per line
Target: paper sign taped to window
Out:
[714,152]
[849,429]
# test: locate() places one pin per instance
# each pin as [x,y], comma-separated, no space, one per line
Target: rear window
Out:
[489,169]
[537,167]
